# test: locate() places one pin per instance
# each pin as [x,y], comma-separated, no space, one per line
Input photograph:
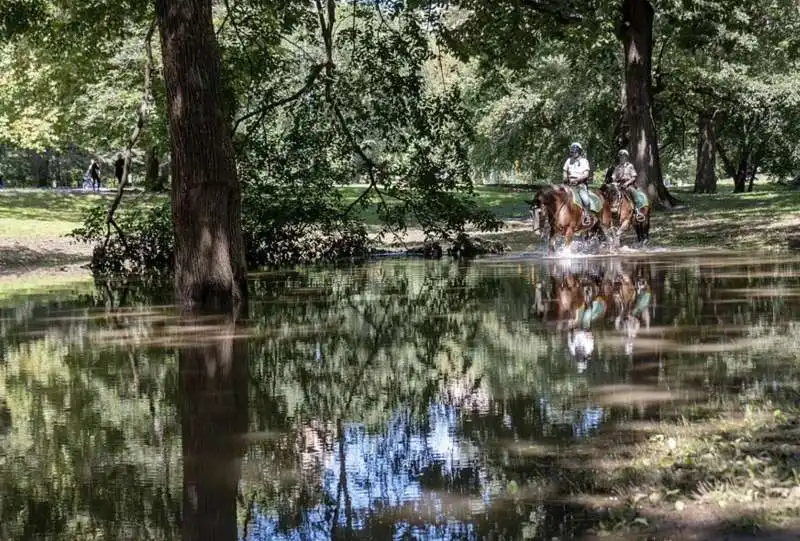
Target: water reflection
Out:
[214,417]
[398,399]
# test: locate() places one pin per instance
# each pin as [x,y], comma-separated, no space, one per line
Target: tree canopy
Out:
[415,101]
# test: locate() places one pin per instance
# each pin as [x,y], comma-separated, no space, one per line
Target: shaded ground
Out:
[731,476]
[33,223]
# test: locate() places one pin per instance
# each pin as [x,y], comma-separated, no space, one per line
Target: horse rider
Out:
[576,174]
[625,175]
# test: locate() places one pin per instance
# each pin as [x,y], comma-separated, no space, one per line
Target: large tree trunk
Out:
[214,415]
[705,180]
[210,271]
[636,34]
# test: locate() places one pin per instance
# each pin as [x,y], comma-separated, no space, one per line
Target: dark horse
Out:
[623,211]
[556,205]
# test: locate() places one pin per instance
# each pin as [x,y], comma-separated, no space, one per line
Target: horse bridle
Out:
[537,216]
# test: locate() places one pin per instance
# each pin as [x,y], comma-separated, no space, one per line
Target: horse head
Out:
[614,194]
[540,208]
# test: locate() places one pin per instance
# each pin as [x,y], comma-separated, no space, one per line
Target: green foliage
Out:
[146,250]
[374,119]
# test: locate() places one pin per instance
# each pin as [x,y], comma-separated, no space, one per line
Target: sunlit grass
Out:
[760,220]
[13,288]
[35,213]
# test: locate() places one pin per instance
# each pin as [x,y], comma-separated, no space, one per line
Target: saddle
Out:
[638,197]
[591,313]
[638,200]
[595,202]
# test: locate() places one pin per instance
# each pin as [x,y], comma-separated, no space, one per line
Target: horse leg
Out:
[624,225]
[568,235]
[550,241]
[643,228]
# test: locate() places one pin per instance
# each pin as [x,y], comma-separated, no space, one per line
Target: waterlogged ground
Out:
[647,397]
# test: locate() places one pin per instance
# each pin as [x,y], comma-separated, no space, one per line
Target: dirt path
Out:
[24,258]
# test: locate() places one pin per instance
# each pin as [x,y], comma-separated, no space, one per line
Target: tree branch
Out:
[141,115]
[326,28]
[726,163]
[310,79]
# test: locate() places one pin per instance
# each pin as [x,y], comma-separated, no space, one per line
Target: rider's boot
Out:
[587,219]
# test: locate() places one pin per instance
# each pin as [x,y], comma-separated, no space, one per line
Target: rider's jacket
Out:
[624,173]
[576,168]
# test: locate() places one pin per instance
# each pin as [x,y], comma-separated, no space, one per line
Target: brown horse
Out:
[555,205]
[623,211]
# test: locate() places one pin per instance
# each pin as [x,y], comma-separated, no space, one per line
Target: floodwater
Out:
[395,400]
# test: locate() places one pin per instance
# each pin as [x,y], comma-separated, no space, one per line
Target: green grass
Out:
[507,202]
[760,220]
[47,213]
[44,284]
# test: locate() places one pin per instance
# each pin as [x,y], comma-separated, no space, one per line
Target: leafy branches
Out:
[144,108]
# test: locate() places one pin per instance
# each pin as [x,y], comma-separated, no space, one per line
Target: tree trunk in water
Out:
[636,34]
[210,270]
[214,415]
[705,180]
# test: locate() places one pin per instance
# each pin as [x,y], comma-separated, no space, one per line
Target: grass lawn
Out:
[507,202]
[709,472]
[13,289]
[35,213]
[761,220]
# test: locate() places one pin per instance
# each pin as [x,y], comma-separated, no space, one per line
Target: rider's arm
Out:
[566,171]
[630,176]
[584,170]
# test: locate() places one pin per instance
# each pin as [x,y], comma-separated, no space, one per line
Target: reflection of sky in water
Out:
[387,471]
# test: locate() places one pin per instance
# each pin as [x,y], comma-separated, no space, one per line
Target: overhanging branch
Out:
[141,115]
[310,79]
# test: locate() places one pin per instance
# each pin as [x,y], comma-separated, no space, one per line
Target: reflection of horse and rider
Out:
[583,300]
[573,207]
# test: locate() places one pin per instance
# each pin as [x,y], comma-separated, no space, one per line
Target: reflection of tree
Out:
[213,399]
[381,398]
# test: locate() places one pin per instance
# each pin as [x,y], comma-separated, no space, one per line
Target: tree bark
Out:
[740,178]
[214,415]
[705,180]
[210,269]
[752,178]
[152,176]
[636,34]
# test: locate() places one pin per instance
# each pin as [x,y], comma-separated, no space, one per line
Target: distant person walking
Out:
[119,168]
[93,175]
